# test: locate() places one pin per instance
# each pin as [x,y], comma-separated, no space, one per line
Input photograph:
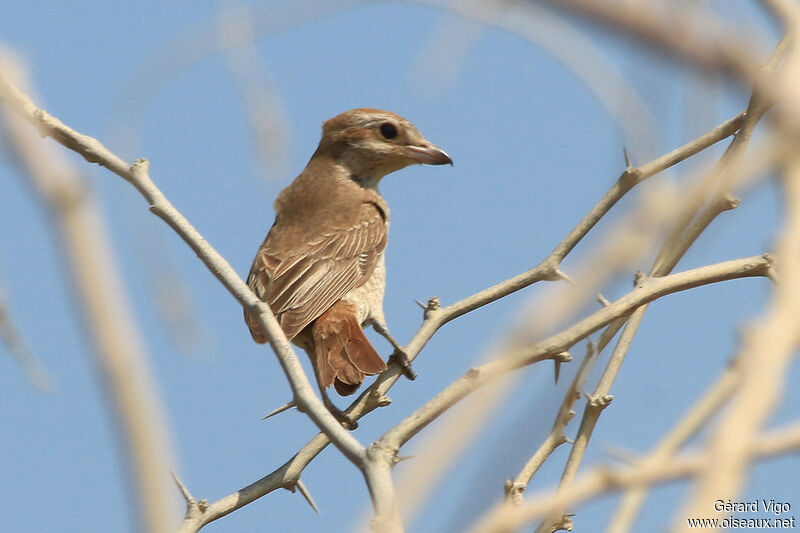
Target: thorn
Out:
[591,348]
[279,410]
[383,400]
[473,373]
[601,402]
[422,305]
[621,454]
[603,300]
[141,165]
[627,159]
[564,523]
[181,487]
[431,307]
[772,275]
[400,357]
[557,368]
[28,361]
[307,495]
[433,304]
[731,202]
[569,440]
[400,458]
[560,273]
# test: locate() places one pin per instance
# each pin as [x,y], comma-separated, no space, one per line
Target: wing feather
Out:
[302,282]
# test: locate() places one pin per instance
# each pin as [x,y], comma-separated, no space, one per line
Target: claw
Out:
[399,355]
[401,358]
[348,423]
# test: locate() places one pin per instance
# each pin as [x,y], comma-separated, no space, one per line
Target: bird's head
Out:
[371,143]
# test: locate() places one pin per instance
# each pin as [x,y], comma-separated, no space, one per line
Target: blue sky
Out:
[534,149]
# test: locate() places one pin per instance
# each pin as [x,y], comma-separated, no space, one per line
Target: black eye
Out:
[388,131]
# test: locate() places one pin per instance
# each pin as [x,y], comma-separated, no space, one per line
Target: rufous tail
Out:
[343,354]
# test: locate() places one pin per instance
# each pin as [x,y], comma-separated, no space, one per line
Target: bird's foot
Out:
[343,419]
[400,357]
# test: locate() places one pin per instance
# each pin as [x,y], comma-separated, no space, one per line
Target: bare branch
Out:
[601,481]
[649,290]
[689,226]
[770,346]
[28,361]
[116,346]
[381,489]
[557,435]
[266,118]
[709,405]
[285,477]
[436,316]
[714,46]
[689,33]
[137,174]
[548,268]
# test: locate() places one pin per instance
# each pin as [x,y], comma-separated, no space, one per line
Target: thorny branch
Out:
[376,461]
[646,291]
[557,435]
[599,481]
[708,406]
[435,316]
[695,220]
[117,350]
[16,345]
[137,174]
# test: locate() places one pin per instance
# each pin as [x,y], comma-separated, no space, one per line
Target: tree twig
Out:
[709,405]
[435,316]
[600,481]
[557,435]
[687,229]
[137,175]
[28,361]
[648,290]
[118,351]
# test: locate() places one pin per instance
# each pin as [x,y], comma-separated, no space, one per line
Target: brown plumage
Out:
[321,266]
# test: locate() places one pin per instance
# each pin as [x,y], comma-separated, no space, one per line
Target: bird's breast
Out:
[368,298]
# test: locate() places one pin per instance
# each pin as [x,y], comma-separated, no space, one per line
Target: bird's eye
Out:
[388,130]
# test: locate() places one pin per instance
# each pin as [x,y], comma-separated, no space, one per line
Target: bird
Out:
[321,268]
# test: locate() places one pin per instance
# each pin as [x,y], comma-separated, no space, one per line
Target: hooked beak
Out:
[428,154]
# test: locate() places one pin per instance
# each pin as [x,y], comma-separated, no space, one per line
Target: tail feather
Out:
[345,389]
[343,354]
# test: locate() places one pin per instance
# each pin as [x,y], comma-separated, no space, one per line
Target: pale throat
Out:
[367,181]
[366,172]
[367,178]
